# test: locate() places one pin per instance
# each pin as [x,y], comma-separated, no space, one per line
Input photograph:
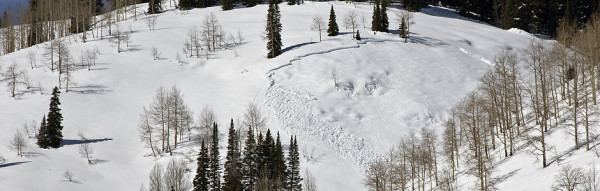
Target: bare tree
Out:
[205,121]
[155,53]
[310,182]
[31,58]
[254,119]
[318,24]
[240,36]
[68,175]
[15,77]
[147,131]
[18,143]
[86,150]
[568,179]
[156,178]
[119,36]
[176,177]
[67,74]
[151,22]
[351,19]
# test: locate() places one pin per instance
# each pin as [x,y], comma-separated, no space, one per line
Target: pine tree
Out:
[186,4]
[54,122]
[42,136]
[273,30]
[293,180]
[233,173]
[201,182]
[99,7]
[249,168]
[376,23]
[384,23]
[403,28]
[214,165]
[279,160]
[226,5]
[154,6]
[333,29]
[357,35]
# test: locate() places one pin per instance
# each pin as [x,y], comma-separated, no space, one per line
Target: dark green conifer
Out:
[273,30]
[201,182]
[42,136]
[54,122]
[233,172]
[333,29]
[293,180]
[214,165]
[249,167]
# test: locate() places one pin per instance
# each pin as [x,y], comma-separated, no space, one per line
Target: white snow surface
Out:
[385,88]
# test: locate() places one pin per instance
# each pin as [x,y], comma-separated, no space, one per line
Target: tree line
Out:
[254,161]
[511,108]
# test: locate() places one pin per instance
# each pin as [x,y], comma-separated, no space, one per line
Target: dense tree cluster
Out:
[261,165]
[536,16]
[557,90]
[166,121]
[380,20]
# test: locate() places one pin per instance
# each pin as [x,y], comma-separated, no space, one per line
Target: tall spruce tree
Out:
[293,180]
[201,182]
[273,29]
[154,6]
[214,165]
[376,22]
[279,161]
[42,136]
[233,172]
[249,167]
[333,29]
[54,122]
[384,23]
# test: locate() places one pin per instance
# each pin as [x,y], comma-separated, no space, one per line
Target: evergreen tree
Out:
[99,7]
[333,29]
[233,170]
[291,2]
[265,164]
[42,136]
[376,23]
[273,30]
[403,28]
[384,23]
[279,161]
[226,5]
[293,180]
[250,169]
[201,182]
[54,122]
[251,3]
[186,4]
[154,6]
[357,35]
[214,164]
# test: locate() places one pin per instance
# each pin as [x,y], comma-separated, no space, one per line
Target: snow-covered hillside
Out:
[385,88]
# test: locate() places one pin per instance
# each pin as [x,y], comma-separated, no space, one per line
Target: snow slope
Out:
[386,88]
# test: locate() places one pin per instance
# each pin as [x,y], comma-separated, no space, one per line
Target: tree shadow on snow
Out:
[78,141]
[13,164]
[32,154]
[90,89]
[97,161]
[296,46]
